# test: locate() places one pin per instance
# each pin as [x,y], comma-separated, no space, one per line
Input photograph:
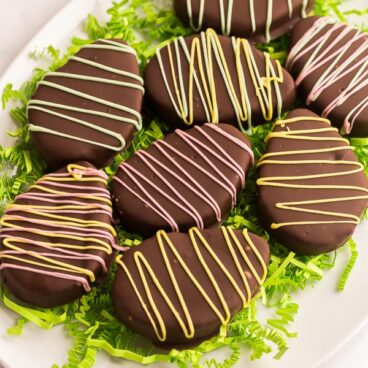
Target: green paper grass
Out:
[91,321]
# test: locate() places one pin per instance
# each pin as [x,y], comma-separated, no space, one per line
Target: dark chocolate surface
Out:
[59,151]
[206,323]
[141,209]
[21,226]
[158,97]
[316,237]
[282,17]
[331,48]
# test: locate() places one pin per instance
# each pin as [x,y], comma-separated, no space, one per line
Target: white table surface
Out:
[19,22]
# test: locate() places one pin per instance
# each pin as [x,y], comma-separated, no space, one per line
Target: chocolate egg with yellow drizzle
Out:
[56,240]
[218,79]
[180,288]
[312,188]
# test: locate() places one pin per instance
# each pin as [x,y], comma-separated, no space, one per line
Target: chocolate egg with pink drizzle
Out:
[56,240]
[329,61]
[190,178]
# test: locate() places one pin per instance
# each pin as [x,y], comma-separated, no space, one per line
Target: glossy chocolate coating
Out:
[48,291]
[138,217]
[206,322]
[310,239]
[333,90]
[58,151]
[159,101]
[241,22]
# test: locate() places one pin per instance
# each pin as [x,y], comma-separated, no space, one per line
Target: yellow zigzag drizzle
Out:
[284,181]
[208,42]
[185,322]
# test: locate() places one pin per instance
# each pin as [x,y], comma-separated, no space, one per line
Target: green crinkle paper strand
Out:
[90,321]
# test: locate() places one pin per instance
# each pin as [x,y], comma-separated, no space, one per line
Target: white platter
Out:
[326,321]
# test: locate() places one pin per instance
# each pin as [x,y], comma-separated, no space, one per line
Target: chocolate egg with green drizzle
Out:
[257,20]
[218,79]
[56,240]
[312,188]
[89,109]
[189,178]
[178,289]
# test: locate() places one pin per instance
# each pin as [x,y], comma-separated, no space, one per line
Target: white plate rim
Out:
[73,8]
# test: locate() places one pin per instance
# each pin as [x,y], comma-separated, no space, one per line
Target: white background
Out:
[19,21]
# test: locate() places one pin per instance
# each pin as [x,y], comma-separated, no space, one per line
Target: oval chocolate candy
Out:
[211,78]
[56,240]
[259,21]
[89,109]
[190,178]
[329,61]
[312,188]
[180,288]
